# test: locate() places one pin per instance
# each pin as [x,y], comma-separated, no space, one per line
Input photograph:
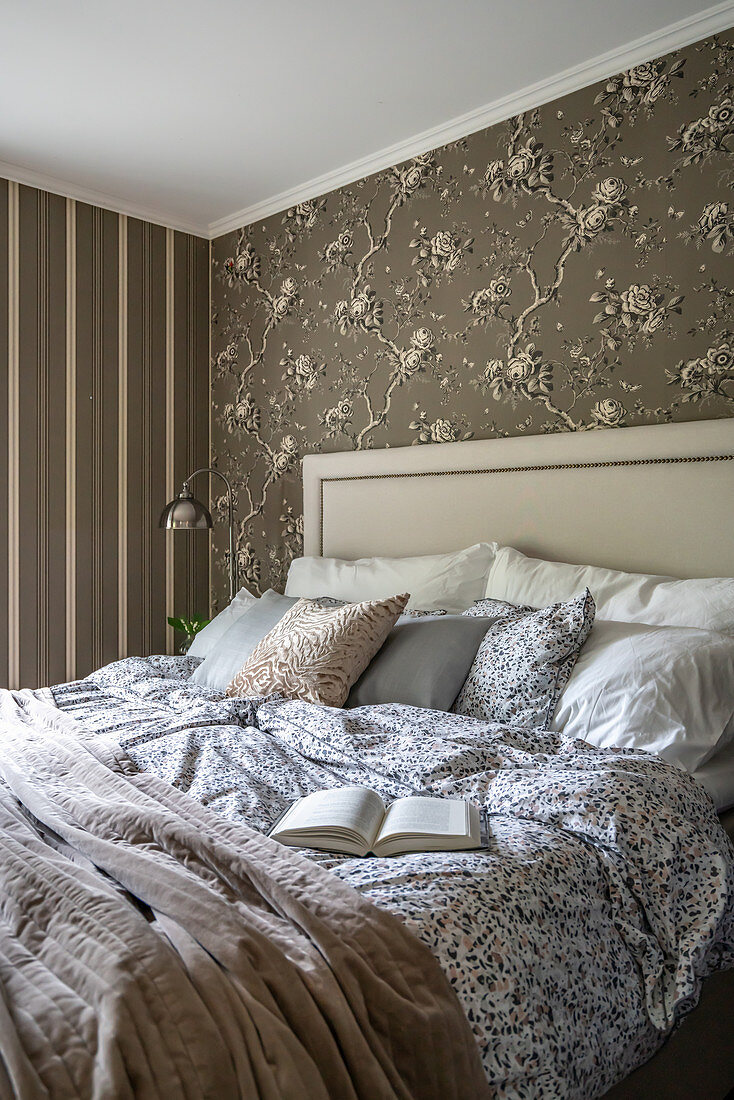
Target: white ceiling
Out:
[205,114]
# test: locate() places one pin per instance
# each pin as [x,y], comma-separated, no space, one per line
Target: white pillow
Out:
[706,603]
[227,656]
[449,581]
[668,690]
[207,638]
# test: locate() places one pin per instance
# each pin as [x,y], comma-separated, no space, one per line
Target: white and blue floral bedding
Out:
[575,942]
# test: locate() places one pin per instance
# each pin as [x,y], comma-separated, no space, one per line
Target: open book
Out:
[355,820]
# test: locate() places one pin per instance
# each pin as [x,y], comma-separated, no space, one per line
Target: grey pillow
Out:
[230,652]
[423,663]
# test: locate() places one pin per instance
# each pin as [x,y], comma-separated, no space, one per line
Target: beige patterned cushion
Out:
[316,653]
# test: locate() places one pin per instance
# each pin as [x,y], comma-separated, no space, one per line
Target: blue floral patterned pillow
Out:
[524,661]
[415,614]
[497,609]
[331,601]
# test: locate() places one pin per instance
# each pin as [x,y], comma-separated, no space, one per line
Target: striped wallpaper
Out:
[104,402]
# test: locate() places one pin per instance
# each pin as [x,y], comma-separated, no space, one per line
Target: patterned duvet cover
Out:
[575,942]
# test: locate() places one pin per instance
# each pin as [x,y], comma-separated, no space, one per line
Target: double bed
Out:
[577,943]
[651,500]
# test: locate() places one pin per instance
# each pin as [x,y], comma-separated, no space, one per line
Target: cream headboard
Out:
[656,499]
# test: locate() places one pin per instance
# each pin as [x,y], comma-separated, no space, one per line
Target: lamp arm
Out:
[230,518]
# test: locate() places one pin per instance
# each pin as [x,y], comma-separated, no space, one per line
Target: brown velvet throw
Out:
[150,948]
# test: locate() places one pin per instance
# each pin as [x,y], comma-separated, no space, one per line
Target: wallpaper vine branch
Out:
[565,271]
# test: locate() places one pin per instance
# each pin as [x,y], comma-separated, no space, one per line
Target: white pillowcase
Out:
[207,638]
[668,690]
[449,581]
[706,603]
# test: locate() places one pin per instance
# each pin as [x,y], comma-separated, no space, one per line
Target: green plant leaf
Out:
[188,626]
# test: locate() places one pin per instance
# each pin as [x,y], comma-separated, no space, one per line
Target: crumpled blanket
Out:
[575,942]
[151,948]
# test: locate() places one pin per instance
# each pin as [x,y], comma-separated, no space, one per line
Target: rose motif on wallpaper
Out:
[282,304]
[423,339]
[410,178]
[243,415]
[715,226]
[703,138]
[637,310]
[303,215]
[488,301]
[608,413]
[586,223]
[338,252]
[712,375]
[291,532]
[301,373]
[527,168]
[227,358]
[336,420]
[244,266]
[410,362]
[440,431]
[523,375]
[637,89]
[564,271]
[362,312]
[248,564]
[440,254]
[611,190]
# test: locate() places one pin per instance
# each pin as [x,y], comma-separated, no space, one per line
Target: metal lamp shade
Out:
[185,513]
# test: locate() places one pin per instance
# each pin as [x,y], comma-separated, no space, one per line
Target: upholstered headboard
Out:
[656,499]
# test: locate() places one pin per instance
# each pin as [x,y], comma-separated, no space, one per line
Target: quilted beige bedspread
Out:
[151,948]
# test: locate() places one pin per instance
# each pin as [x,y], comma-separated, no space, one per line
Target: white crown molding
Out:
[18,174]
[675,36]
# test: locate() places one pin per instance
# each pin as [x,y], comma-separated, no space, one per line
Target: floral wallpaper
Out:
[567,270]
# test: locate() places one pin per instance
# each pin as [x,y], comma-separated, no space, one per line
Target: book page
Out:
[435,816]
[354,809]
